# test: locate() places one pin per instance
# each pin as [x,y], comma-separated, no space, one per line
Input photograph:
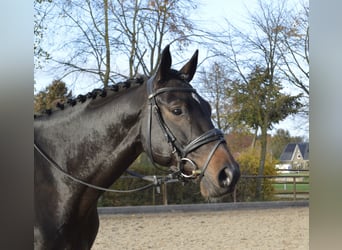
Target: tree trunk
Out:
[106,37]
[254,138]
[263,142]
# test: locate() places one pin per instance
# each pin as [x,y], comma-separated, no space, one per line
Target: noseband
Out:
[181,151]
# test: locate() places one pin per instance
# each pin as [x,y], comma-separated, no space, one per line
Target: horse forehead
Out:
[193,98]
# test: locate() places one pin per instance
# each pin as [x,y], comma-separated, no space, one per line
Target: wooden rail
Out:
[290,180]
[283,179]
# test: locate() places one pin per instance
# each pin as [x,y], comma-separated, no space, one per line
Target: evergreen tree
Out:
[47,99]
[260,104]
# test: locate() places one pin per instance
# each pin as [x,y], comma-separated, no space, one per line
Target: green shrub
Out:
[249,165]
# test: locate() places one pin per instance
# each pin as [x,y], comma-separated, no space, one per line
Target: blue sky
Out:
[212,14]
[235,11]
[217,10]
[209,13]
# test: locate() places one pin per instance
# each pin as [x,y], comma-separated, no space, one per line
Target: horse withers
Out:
[81,150]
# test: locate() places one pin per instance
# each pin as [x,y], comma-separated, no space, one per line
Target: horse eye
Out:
[177,111]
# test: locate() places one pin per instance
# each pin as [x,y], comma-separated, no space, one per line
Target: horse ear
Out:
[189,68]
[165,64]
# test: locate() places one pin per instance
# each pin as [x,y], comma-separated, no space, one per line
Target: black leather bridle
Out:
[177,148]
[180,151]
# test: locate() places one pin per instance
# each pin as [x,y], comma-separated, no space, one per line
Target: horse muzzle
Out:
[221,176]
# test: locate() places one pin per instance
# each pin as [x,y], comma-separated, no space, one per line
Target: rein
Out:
[177,148]
[156,182]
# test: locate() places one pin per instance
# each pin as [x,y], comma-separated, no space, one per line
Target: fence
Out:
[289,184]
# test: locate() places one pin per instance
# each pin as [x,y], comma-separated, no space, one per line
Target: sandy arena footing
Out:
[273,228]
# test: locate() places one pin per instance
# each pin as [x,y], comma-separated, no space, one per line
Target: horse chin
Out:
[164,160]
[209,190]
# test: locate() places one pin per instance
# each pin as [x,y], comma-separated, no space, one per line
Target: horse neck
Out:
[98,140]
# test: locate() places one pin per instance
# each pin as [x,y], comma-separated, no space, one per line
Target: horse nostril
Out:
[225,177]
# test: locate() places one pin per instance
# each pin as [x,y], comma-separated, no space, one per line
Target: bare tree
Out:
[81,30]
[216,85]
[143,26]
[259,45]
[92,37]
[41,11]
[294,49]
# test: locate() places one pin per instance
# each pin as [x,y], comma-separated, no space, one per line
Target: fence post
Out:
[164,194]
[294,188]
[234,195]
[154,196]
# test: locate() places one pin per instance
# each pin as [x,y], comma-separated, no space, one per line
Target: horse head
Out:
[180,132]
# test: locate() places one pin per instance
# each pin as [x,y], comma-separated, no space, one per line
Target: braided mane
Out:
[101,92]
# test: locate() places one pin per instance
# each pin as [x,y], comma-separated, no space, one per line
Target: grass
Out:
[289,187]
[300,187]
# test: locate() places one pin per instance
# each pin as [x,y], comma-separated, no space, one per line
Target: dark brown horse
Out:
[95,141]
